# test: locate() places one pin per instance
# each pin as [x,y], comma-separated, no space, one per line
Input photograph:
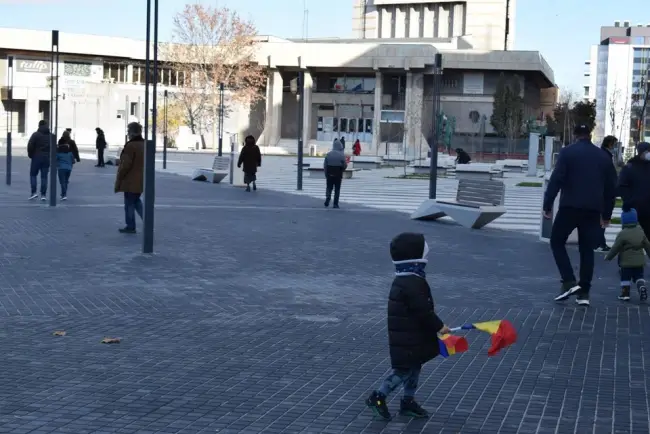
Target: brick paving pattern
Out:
[264,313]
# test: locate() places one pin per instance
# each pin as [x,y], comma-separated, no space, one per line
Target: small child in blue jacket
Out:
[66,154]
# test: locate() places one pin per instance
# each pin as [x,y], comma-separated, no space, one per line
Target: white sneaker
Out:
[64,197]
[43,198]
[33,196]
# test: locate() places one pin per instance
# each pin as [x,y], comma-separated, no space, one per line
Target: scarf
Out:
[408,268]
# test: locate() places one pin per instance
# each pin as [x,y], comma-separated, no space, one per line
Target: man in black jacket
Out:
[607,146]
[100,144]
[587,179]
[38,150]
[634,185]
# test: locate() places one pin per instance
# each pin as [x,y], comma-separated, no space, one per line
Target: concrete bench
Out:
[424,168]
[220,169]
[478,171]
[512,165]
[396,160]
[478,203]
[319,172]
[367,162]
[308,162]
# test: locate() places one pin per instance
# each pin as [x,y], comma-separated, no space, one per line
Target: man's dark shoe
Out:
[127,231]
[327,203]
[408,407]
[643,290]
[568,289]
[582,299]
[336,205]
[625,293]
[604,248]
[254,187]
[377,403]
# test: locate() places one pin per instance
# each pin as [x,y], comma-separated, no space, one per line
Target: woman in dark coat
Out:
[251,158]
[634,185]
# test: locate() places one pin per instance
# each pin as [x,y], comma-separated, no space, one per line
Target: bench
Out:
[319,172]
[396,160]
[477,204]
[220,169]
[478,171]
[512,165]
[113,159]
[367,161]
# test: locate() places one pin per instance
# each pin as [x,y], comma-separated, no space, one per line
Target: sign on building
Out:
[33,66]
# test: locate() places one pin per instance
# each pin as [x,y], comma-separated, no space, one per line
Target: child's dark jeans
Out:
[408,377]
[629,275]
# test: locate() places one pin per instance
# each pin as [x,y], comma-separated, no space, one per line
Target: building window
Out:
[77,69]
[116,72]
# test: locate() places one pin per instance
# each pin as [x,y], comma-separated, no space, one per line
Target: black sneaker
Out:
[254,186]
[410,408]
[336,205]
[127,231]
[625,293]
[248,188]
[582,300]
[568,289]
[327,203]
[643,290]
[377,403]
[603,249]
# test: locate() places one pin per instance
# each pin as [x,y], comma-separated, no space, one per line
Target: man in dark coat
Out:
[129,178]
[334,165]
[587,179]
[607,146]
[38,150]
[100,144]
[251,158]
[634,185]
[413,325]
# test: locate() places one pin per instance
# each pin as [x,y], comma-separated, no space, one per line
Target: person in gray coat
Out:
[334,166]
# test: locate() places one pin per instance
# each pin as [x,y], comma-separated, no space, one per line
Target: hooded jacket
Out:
[40,141]
[630,245]
[64,156]
[586,178]
[334,163]
[634,185]
[250,157]
[413,325]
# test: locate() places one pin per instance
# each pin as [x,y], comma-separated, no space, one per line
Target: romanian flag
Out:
[450,345]
[502,331]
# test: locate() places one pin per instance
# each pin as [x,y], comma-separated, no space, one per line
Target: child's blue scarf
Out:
[416,268]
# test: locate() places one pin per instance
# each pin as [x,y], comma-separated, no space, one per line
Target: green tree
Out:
[508,109]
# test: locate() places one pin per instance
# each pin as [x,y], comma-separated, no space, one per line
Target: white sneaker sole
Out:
[582,302]
[568,293]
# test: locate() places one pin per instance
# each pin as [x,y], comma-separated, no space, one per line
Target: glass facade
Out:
[640,108]
[601,92]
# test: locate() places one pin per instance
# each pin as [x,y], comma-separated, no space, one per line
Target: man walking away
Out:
[251,158]
[586,178]
[65,158]
[38,150]
[607,146]
[334,166]
[130,176]
[634,185]
[100,144]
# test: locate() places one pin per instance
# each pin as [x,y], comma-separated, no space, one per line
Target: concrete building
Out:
[621,65]
[483,24]
[376,90]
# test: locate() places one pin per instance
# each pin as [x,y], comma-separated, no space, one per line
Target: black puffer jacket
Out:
[40,142]
[412,322]
[634,185]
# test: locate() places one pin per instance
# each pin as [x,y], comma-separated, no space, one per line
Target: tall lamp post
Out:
[300,92]
[221,115]
[10,97]
[150,145]
[54,112]
[433,166]
[165,96]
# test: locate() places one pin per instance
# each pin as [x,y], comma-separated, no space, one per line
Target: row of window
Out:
[119,73]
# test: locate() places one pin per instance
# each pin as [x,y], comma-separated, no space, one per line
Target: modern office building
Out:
[620,64]
[377,90]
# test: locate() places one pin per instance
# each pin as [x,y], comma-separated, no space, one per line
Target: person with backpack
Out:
[38,151]
[66,155]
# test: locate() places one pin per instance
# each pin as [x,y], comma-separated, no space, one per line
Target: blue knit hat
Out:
[629,217]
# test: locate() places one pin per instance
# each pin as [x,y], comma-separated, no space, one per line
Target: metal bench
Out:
[477,204]
[220,169]
[319,172]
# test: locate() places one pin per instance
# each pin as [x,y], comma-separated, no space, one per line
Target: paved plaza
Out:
[265,313]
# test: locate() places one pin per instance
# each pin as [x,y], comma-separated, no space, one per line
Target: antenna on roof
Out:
[305,20]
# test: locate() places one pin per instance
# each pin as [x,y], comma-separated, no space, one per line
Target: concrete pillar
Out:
[273,115]
[32,116]
[307,120]
[533,150]
[428,29]
[443,20]
[414,21]
[548,153]
[400,21]
[415,142]
[376,122]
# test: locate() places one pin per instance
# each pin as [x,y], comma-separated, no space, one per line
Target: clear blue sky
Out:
[562,30]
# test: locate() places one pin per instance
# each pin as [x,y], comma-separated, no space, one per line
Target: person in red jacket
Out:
[356,148]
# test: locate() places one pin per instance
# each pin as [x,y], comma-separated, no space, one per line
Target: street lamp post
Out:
[54,112]
[150,145]
[221,116]
[165,96]
[10,121]
[433,161]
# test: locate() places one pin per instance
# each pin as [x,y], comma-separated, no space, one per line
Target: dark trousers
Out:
[100,157]
[132,205]
[644,222]
[603,240]
[333,183]
[589,233]
[39,164]
[64,178]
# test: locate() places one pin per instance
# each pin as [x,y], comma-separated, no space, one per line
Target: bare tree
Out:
[212,46]
[619,110]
